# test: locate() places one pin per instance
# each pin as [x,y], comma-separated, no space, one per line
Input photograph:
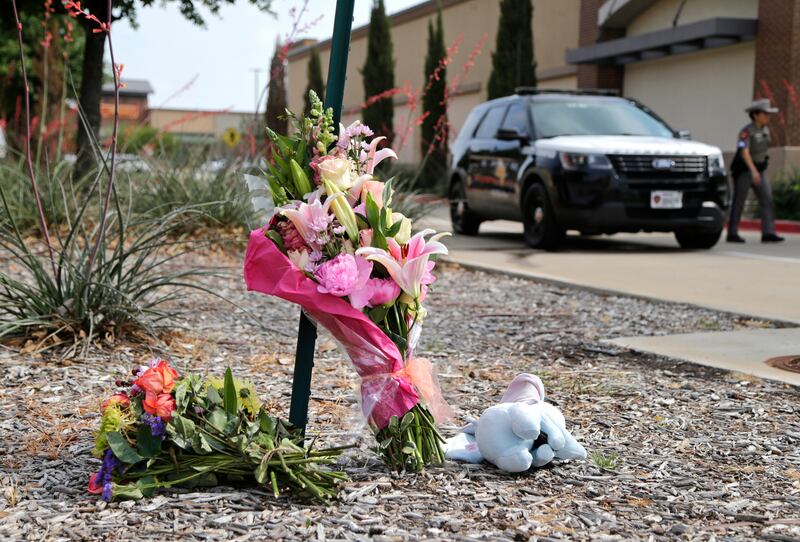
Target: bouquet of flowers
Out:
[165,430]
[335,247]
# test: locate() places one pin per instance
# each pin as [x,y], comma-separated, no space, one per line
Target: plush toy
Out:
[522,431]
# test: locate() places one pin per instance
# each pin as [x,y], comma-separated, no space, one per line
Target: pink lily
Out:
[407,265]
[373,157]
[312,219]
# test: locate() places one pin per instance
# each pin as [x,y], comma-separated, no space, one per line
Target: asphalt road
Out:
[754,279]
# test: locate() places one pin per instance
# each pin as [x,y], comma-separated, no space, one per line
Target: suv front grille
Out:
[641,171]
[636,165]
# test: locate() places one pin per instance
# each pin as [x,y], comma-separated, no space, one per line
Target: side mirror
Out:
[509,134]
[684,134]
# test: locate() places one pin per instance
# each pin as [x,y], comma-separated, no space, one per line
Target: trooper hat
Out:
[761,105]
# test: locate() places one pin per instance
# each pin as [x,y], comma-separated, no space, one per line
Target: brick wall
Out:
[777,70]
[591,75]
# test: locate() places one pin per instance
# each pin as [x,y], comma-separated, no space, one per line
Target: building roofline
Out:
[412,13]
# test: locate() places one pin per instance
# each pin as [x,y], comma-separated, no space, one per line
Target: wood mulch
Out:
[677,451]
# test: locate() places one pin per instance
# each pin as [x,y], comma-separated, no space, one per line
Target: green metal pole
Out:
[334,94]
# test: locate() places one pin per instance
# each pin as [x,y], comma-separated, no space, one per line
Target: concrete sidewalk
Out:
[745,351]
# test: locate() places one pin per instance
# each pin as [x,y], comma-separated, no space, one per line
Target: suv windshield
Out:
[553,118]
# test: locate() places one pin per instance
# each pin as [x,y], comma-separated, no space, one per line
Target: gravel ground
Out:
[678,452]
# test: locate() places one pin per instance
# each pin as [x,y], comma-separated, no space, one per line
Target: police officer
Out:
[749,169]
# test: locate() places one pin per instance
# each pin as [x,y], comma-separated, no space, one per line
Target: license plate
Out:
[666,199]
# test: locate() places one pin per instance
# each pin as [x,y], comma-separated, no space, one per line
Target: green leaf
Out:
[146,485]
[230,398]
[392,231]
[218,419]
[373,214]
[180,396]
[146,443]
[267,423]
[122,449]
[378,314]
[127,491]
[200,444]
[213,396]
[277,239]
[181,430]
[387,192]
[408,419]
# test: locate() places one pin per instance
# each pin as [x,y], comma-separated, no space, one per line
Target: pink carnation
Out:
[292,240]
[382,291]
[346,275]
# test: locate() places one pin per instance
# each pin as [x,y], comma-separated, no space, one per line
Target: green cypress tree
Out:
[433,102]
[276,93]
[315,81]
[513,63]
[378,73]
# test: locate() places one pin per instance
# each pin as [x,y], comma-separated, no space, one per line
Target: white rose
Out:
[337,171]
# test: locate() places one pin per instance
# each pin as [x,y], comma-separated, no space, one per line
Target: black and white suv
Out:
[587,161]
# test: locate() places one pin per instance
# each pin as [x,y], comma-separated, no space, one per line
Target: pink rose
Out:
[365,237]
[383,291]
[376,189]
[345,275]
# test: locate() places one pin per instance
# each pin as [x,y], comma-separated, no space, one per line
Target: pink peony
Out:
[345,275]
[382,291]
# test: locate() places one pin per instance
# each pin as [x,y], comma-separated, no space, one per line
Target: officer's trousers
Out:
[741,186]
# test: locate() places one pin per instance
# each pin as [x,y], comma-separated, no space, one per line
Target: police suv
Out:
[584,160]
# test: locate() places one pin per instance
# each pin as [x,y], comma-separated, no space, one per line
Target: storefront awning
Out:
[707,34]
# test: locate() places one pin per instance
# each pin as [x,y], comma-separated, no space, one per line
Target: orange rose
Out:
[158,379]
[160,405]
[116,399]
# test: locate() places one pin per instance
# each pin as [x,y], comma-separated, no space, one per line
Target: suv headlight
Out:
[574,161]
[716,165]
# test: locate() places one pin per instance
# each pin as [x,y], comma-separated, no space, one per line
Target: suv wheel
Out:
[463,219]
[697,239]
[541,228]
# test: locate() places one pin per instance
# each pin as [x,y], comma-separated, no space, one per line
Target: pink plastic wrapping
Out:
[386,390]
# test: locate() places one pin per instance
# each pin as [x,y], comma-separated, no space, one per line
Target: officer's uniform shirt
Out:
[757,140]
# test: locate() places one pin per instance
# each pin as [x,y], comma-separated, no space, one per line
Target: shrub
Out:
[216,187]
[786,193]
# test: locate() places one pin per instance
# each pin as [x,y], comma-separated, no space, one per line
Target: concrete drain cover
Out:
[787,363]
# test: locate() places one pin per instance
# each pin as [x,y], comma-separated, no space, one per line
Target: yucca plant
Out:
[107,271]
[132,276]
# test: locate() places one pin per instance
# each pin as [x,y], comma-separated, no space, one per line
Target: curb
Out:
[781,226]
[599,290]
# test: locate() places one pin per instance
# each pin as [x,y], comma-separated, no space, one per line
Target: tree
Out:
[276,94]
[315,81]
[378,74]
[94,43]
[51,56]
[434,125]
[513,63]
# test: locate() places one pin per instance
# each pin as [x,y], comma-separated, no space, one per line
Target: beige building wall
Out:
[467,24]
[188,121]
[661,14]
[704,92]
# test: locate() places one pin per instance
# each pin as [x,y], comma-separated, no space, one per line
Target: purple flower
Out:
[108,491]
[157,428]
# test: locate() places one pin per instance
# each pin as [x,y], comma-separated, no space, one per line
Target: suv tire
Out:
[541,228]
[697,239]
[463,219]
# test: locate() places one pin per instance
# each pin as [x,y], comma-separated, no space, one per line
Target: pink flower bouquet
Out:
[335,247]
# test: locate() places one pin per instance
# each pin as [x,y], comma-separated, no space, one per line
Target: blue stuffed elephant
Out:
[521,432]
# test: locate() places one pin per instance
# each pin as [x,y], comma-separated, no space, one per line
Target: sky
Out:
[217,62]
